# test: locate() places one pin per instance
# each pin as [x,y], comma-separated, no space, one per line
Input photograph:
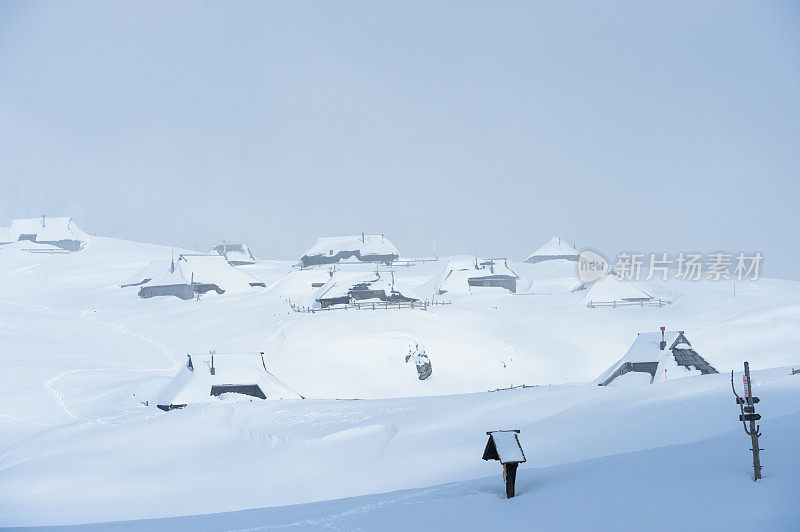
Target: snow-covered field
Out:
[80,356]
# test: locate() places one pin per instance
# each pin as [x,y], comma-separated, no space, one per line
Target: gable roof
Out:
[556,246]
[504,445]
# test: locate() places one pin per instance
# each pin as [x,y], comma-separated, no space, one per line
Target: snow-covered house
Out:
[656,357]
[345,287]
[232,377]
[364,248]
[190,275]
[59,232]
[611,291]
[461,276]
[235,254]
[553,249]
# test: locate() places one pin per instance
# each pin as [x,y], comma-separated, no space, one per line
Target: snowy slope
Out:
[140,467]
[572,496]
[80,356]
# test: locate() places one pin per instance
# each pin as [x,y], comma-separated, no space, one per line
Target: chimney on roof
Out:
[42,220]
[663,343]
[362,237]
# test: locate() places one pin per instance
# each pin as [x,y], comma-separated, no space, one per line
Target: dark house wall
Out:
[501,281]
[314,260]
[68,245]
[182,291]
[359,294]
[327,302]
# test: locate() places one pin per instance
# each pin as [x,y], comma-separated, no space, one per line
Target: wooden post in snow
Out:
[748,416]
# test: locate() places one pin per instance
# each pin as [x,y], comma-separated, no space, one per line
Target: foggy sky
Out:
[486,127]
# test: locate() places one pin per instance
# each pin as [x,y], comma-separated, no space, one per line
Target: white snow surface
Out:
[507,446]
[610,289]
[80,356]
[548,277]
[151,271]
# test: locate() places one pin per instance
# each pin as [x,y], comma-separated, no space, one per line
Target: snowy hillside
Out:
[84,359]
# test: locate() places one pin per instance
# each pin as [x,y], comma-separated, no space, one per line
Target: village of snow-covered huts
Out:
[366,271]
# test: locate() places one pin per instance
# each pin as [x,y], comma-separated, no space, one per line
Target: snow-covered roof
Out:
[646,347]
[507,445]
[152,270]
[371,245]
[646,356]
[340,284]
[204,269]
[556,246]
[610,289]
[235,253]
[46,230]
[194,385]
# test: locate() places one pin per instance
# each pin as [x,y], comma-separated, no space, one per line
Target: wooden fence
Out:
[645,303]
[374,305]
[517,387]
[47,251]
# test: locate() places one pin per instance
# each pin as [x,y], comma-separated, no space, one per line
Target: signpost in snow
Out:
[748,416]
